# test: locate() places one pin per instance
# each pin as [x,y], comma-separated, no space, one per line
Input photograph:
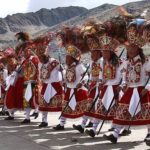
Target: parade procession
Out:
[113,86]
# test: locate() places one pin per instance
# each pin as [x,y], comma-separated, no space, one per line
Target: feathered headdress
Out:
[123,12]
[135,34]
[72,36]
[8,56]
[23,36]
[40,44]
[108,43]
[91,30]
[146,31]
[116,28]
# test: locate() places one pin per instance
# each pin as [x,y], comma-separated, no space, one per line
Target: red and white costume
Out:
[111,76]
[135,77]
[77,103]
[52,91]
[31,83]
[3,76]
[93,91]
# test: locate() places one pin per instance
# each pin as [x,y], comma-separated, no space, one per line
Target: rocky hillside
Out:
[105,12]
[34,22]
[78,20]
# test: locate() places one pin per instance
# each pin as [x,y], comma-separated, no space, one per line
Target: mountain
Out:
[34,22]
[78,20]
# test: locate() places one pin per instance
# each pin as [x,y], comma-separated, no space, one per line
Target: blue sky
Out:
[22,6]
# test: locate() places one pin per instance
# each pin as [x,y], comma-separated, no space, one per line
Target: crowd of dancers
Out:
[113,86]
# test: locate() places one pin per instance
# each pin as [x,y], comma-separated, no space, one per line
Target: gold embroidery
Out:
[95,70]
[71,74]
[109,72]
[29,71]
[134,72]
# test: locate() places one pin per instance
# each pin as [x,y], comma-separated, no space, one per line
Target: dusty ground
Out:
[14,136]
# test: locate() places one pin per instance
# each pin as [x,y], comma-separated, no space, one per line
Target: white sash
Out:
[134,103]
[10,80]
[28,92]
[49,93]
[108,97]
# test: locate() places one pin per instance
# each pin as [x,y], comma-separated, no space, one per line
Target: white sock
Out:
[96,122]
[117,131]
[11,112]
[148,129]
[36,110]
[84,121]
[27,112]
[44,116]
[62,121]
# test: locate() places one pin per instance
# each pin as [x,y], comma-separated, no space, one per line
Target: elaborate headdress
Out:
[91,31]
[40,44]
[146,31]
[9,52]
[116,28]
[23,36]
[26,40]
[108,43]
[9,57]
[92,28]
[73,41]
[123,12]
[135,32]
[73,51]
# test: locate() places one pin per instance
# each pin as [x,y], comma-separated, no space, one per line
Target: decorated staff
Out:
[76,94]
[136,70]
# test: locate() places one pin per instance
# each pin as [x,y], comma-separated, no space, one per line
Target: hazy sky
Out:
[22,6]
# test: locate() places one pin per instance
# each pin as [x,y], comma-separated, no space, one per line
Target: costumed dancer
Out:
[31,81]
[133,107]
[51,95]
[24,39]
[146,37]
[11,80]
[3,76]
[90,31]
[111,77]
[75,100]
